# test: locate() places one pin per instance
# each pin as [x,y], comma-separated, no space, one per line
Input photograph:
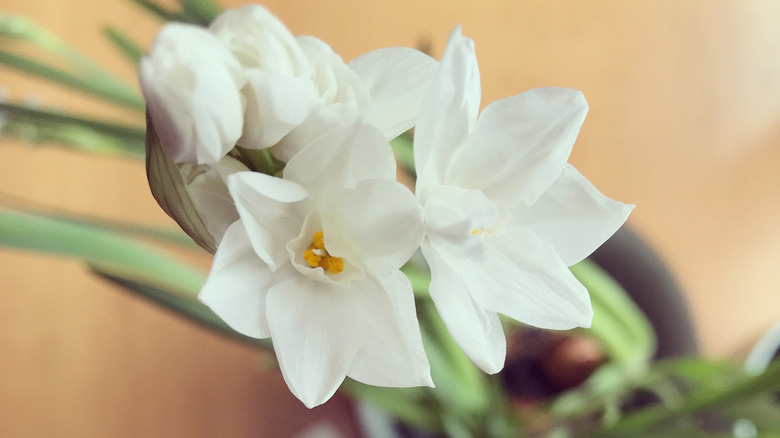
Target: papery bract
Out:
[505,213]
[314,263]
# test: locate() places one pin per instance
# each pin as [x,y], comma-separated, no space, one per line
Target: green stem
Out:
[404,151]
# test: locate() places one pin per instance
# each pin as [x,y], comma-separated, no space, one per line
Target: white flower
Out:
[505,213]
[314,263]
[192,85]
[248,81]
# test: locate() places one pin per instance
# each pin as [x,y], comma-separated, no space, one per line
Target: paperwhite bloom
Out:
[505,213]
[314,263]
[191,85]
[248,81]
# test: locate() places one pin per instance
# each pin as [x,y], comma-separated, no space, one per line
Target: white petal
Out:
[259,40]
[317,330]
[476,330]
[337,84]
[448,111]
[272,210]
[520,145]
[340,159]
[573,216]
[237,285]
[377,225]
[276,104]
[320,120]
[522,277]
[396,78]
[191,85]
[393,355]
[456,218]
[210,193]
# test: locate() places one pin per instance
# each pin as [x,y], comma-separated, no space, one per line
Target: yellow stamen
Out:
[334,265]
[317,256]
[318,242]
[311,258]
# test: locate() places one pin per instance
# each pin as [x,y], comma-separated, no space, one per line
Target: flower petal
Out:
[209,191]
[394,354]
[448,111]
[524,140]
[396,78]
[523,278]
[456,217]
[573,216]
[340,159]
[191,85]
[272,212]
[317,330]
[378,224]
[276,104]
[237,285]
[260,41]
[337,84]
[476,330]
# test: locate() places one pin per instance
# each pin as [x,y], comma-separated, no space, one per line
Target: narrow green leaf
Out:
[107,90]
[46,126]
[171,192]
[158,234]
[410,405]
[205,10]
[127,46]
[97,247]
[184,306]
[618,323]
[130,132]
[746,389]
[157,10]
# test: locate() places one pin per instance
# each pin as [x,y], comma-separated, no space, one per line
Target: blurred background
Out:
[684,122]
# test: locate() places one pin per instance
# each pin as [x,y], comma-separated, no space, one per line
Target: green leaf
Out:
[705,399]
[158,234]
[135,267]
[46,126]
[157,10]
[108,90]
[97,247]
[412,406]
[183,305]
[404,152]
[205,10]
[128,47]
[170,190]
[618,323]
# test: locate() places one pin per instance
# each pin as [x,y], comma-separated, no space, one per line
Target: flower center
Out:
[317,256]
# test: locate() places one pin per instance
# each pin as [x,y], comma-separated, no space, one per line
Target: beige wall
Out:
[684,122]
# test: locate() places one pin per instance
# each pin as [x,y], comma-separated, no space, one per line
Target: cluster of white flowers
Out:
[311,256]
